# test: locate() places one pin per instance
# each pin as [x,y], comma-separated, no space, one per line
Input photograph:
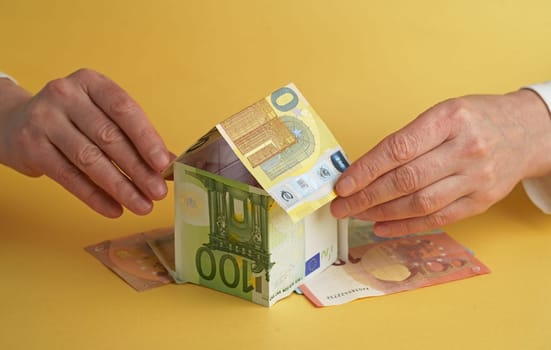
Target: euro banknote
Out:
[286,146]
[163,248]
[390,266]
[232,237]
[132,259]
[375,266]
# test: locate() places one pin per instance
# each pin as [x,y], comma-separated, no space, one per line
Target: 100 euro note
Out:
[286,146]
[384,266]
[232,237]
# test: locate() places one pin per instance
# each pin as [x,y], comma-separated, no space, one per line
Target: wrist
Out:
[12,98]
[533,115]
[11,95]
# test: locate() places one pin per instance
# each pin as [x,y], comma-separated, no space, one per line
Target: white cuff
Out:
[539,189]
[544,91]
[3,75]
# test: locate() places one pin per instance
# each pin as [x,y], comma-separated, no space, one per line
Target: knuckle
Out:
[83,77]
[109,133]
[437,219]
[477,144]
[406,179]
[379,213]
[440,122]
[458,109]
[84,73]
[403,147]
[488,174]
[147,134]
[88,155]
[423,203]
[368,169]
[477,147]
[407,226]
[122,107]
[364,199]
[60,88]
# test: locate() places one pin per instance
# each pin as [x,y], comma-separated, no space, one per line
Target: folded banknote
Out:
[289,150]
[132,259]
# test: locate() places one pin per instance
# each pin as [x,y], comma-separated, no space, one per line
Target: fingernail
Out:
[140,204]
[345,186]
[380,229]
[157,188]
[159,158]
[339,209]
[113,210]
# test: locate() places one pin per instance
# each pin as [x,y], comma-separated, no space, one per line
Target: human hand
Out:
[454,161]
[89,135]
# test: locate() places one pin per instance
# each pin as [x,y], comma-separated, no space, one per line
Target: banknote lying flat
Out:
[133,260]
[285,145]
[389,266]
[375,266]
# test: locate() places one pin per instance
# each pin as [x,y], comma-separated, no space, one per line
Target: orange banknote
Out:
[133,260]
[393,266]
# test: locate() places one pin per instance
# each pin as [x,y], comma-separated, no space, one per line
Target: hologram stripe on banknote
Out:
[258,133]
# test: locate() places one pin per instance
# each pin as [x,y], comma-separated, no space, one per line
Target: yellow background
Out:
[368,67]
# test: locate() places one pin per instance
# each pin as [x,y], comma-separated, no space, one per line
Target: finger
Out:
[127,114]
[58,168]
[462,208]
[115,144]
[420,136]
[87,157]
[403,180]
[421,203]
[168,174]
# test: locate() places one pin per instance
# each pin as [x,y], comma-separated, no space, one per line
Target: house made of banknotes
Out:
[251,201]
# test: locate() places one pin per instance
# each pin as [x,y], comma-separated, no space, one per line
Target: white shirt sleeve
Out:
[539,189]
[4,75]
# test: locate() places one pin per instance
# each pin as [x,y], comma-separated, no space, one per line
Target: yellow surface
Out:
[367,66]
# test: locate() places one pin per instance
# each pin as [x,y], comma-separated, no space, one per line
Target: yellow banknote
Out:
[286,146]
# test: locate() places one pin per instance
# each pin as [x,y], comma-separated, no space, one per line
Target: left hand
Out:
[85,132]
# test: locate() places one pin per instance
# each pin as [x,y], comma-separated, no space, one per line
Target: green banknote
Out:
[233,237]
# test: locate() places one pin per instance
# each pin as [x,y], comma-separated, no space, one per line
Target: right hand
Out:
[455,160]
